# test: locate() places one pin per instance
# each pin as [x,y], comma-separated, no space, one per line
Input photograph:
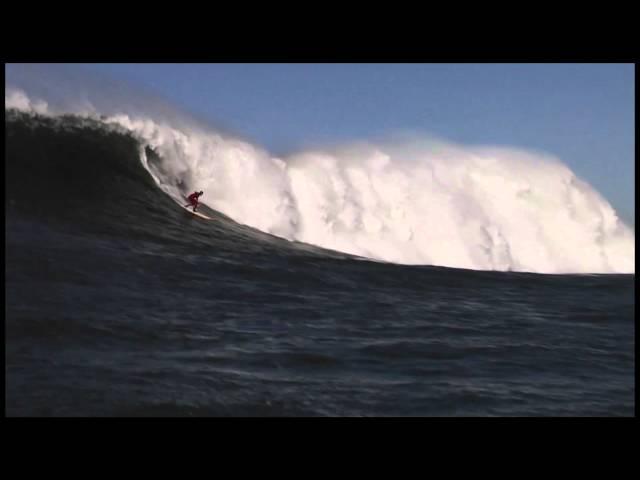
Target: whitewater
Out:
[413,201]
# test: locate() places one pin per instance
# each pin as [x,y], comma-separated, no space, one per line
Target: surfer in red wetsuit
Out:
[193,199]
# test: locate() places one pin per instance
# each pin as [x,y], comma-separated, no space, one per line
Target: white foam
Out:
[17,99]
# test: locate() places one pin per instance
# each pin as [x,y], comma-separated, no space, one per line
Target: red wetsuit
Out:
[193,198]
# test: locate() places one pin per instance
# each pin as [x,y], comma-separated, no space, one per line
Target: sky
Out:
[580,113]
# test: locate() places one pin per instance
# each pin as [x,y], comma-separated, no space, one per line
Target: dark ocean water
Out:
[120,303]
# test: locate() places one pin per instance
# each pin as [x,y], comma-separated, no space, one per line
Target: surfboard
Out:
[197,214]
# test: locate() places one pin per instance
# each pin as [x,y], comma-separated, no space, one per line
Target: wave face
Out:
[412,201]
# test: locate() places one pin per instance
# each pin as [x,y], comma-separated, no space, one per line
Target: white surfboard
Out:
[197,214]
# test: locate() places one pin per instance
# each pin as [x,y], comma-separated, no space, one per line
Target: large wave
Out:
[410,201]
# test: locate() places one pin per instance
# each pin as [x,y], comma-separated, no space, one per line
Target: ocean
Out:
[121,303]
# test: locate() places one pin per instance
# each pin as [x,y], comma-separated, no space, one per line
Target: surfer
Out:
[193,199]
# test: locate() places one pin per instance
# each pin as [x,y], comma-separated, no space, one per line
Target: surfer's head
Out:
[200,192]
